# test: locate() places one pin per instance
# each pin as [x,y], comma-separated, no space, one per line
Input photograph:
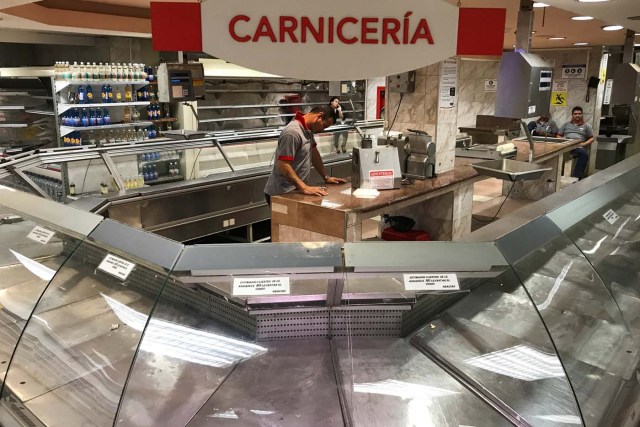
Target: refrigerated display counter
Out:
[533,324]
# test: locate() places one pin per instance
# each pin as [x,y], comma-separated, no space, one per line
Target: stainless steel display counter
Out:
[532,324]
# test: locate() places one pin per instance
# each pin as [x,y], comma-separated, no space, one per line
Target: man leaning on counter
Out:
[296,152]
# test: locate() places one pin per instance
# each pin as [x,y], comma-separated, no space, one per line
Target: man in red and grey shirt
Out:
[295,154]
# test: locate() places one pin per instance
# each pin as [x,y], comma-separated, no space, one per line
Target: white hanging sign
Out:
[330,41]
[431,282]
[607,92]
[117,267]
[261,286]
[40,235]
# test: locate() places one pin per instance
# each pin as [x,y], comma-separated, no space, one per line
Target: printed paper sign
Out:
[116,267]
[611,216]
[575,71]
[431,282]
[490,85]
[448,82]
[607,92]
[560,86]
[381,179]
[559,99]
[261,286]
[40,235]
[532,109]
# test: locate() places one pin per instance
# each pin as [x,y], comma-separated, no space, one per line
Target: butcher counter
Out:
[441,205]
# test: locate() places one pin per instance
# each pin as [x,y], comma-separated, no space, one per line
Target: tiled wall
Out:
[473,100]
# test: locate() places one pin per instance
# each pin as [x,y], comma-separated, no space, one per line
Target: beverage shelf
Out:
[65,130]
[150,162]
[165,179]
[63,108]
[62,84]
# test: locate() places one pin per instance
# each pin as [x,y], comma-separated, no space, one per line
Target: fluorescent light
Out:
[556,38]
[520,362]
[592,1]
[539,4]
[612,27]
[637,44]
[581,44]
[582,18]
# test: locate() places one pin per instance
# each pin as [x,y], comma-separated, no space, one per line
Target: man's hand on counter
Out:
[314,191]
[334,180]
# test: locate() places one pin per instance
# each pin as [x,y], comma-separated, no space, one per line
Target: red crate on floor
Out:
[411,235]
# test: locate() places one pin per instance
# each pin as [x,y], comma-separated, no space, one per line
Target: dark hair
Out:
[576,109]
[333,98]
[325,110]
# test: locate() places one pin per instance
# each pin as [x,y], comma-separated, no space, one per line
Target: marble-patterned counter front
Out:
[441,206]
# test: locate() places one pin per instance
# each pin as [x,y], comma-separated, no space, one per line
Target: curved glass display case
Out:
[103,324]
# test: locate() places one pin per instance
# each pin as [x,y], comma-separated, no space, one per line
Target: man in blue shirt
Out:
[578,129]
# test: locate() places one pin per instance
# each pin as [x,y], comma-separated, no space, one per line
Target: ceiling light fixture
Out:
[556,38]
[581,44]
[540,4]
[612,27]
[592,1]
[582,18]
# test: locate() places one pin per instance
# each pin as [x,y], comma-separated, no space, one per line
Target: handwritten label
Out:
[611,216]
[261,286]
[40,235]
[431,282]
[116,267]
[381,179]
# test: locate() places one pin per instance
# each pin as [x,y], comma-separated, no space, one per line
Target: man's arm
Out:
[316,161]
[286,170]
[590,137]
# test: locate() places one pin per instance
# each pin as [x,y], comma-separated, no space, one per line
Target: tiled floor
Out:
[487,198]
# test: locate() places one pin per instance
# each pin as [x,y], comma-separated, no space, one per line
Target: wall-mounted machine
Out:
[180,82]
[525,86]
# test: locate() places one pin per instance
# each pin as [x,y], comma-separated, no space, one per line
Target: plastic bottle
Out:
[106,117]
[76,117]
[127,93]
[145,172]
[155,171]
[95,72]
[89,95]
[67,71]
[80,95]
[104,93]
[81,71]
[92,118]
[72,189]
[101,71]
[99,119]
[118,94]
[109,93]
[103,188]
[127,115]
[84,120]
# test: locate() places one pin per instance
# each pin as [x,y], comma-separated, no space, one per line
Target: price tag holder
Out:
[431,282]
[117,267]
[611,216]
[261,286]
[40,235]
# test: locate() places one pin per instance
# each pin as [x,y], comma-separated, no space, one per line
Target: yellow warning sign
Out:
[559,99]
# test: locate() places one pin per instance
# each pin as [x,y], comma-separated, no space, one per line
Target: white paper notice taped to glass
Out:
[611,216]
[117,267]
[532,109]
[261,286]
[381,179]
[431,282]
[40,235]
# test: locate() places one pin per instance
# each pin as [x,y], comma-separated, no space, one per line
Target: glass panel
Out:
[266,359]
[30,254]
[87,176]
[456,355]
[71,363]
[587,328]
[608,238]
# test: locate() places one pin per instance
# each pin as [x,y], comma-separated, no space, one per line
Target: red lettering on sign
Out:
[405,29]
[288,25]
[340,33]
[366,30]
[381,173]
[390,28]
[307,26]
[232,28]
[331,23]
[422,32]
[264,30]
